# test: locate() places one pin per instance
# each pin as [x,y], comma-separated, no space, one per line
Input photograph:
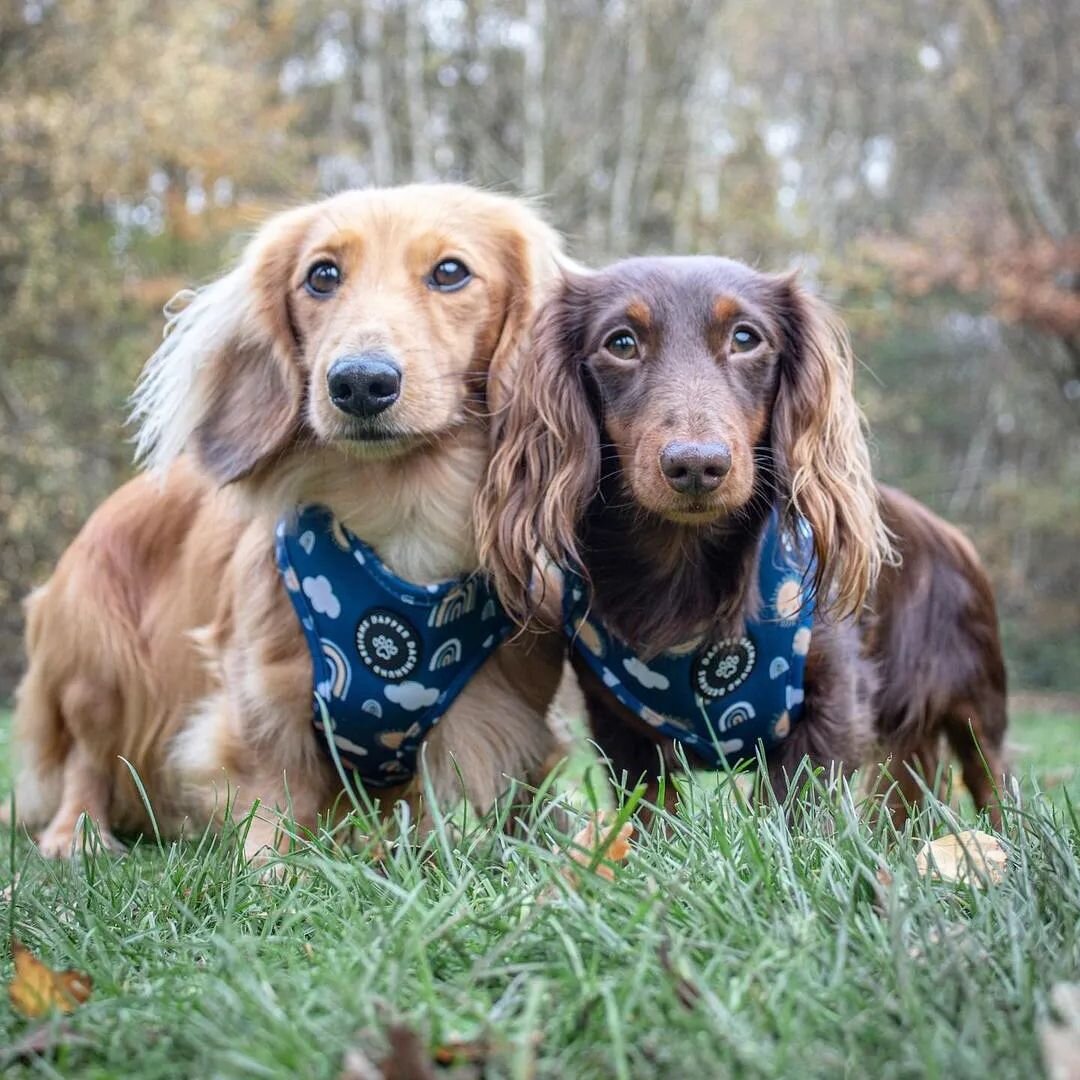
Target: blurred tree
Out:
[918,161]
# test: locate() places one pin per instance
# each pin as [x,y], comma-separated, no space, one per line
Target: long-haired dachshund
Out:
[689,452]
[317,425]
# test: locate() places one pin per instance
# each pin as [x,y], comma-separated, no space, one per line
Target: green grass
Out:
[730,944]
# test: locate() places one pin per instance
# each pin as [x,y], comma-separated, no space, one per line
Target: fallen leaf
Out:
[1061,1041]
[598,846]
[969,856]
[462,1052]
[1061,1051]
[1065,997]
[36,988]
[408,1059]
[41,1041]
[881,884]
[356,1065]
[686,991]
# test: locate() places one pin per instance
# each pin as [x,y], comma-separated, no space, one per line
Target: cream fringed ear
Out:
[166,405]
[224,383]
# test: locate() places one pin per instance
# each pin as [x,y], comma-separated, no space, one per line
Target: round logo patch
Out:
[387,644]
[724,666]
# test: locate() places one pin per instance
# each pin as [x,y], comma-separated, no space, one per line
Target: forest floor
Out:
[727,944]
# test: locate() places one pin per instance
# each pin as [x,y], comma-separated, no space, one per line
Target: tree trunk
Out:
[622,181]
[371,80]
[532,172]
[415,93]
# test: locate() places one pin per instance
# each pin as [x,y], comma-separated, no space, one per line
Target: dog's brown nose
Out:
[695,468]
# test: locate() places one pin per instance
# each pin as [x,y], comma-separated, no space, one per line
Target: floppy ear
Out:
[533,261]
[225,383]
[821,453]
[546,460]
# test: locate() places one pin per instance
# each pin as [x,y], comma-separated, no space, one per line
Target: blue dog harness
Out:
[719,698]
[389,656]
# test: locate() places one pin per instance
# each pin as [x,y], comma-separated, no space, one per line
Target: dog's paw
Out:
[109,843]
[63,841]
[57,842]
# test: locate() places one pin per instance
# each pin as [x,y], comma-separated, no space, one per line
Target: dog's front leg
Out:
[835,732]
[235,763]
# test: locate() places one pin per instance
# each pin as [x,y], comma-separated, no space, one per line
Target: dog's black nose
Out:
[364,385]
[695,468]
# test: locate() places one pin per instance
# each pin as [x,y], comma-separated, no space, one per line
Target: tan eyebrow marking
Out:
[726,308]
[639,311]
[346,240]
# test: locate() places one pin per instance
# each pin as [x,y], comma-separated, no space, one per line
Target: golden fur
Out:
[164,637]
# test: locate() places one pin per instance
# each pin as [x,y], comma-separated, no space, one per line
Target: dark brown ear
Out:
[226,382]
[546,461]
[821,452]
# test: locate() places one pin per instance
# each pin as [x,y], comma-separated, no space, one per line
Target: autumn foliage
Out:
[919,166]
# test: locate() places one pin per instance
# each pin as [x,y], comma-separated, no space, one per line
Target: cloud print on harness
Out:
[368,633]
[349,746]
[412,695]
[321,594]
[645,674]
[714,695]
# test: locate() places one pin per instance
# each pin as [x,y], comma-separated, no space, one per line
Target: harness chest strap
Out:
[719,698]
[389,656]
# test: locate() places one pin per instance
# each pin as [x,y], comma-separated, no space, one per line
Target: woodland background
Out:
[918,160]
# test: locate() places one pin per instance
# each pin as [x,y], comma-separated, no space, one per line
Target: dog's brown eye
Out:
[744,339]
[622,345]
[450,275]
[323,279]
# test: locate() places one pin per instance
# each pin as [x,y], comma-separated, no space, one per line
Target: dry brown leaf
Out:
[596,844]
[686,991]
[36,988]
[408,1058]
[1060,1051]
[1061,1041]
[463,1052]
[970,856]
[356,1065]
[882,883]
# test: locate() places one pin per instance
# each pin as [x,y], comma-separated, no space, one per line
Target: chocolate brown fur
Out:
[934,636]
[578,475]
